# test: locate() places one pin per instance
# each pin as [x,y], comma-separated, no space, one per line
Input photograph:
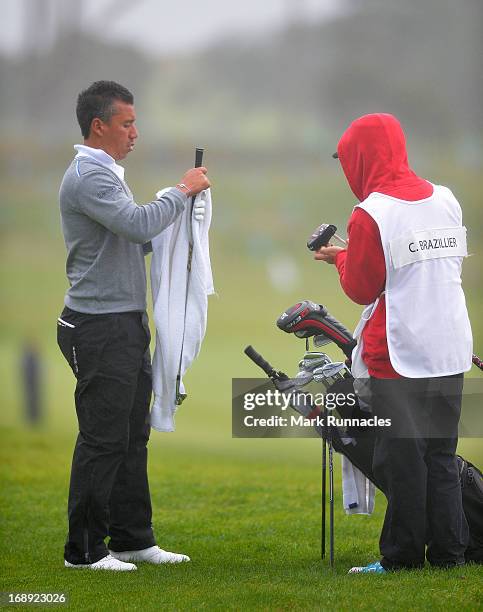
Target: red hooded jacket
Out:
[372,153]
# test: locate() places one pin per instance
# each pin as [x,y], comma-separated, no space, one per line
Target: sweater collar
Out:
[101,157]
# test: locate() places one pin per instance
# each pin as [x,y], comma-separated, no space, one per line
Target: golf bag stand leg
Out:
[327,442]
[331,498]
[323,500]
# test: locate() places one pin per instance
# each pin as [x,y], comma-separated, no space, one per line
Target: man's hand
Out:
[194,181]
[328,253]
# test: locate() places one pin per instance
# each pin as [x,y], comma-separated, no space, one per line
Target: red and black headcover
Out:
[307,319]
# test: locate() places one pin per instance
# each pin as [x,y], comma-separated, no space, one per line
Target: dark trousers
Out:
[109,491]
[415,464]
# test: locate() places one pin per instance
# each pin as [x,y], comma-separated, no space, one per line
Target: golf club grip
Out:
[199,157]
[198,163]
[477,361]
[259,360]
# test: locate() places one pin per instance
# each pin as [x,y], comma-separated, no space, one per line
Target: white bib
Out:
[424,242]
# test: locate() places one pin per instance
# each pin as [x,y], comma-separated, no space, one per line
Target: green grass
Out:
[250,521]
[246,511]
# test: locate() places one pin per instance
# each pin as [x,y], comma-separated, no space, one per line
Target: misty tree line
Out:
[418,59]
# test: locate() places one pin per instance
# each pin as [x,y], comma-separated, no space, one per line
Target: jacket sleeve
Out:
[362,267]
[101,197]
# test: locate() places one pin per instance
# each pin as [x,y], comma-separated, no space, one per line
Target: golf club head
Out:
[303,378]
[332,369]
[307,319]
[320,378]
[330,373]
[313,363]
[315,355]
[308,357]
[321,340]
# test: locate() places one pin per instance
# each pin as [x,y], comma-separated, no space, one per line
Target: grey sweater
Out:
[105,234]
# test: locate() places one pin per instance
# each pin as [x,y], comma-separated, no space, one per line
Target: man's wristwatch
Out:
[184,188]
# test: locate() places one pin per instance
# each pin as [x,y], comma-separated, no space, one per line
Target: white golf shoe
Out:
[153,554]
[106,563]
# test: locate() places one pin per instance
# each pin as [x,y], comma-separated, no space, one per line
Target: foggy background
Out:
[267,88]
[249,75]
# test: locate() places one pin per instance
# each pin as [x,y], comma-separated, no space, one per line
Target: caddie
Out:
[103,333]
[403,261]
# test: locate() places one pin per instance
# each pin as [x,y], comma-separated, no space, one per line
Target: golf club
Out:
[330,373]
[181,396]
[311,361]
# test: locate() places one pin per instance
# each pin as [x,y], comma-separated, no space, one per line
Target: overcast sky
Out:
[165,26]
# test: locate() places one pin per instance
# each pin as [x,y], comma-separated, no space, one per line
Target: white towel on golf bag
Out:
[168,285]
[358,492]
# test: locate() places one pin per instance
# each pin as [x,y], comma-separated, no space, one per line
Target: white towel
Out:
[168,285]
[358,492]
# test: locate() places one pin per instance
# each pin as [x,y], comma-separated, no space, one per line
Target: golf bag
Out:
[471,480]
[307,319]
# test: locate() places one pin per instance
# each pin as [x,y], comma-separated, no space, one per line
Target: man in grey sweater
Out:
[104,335]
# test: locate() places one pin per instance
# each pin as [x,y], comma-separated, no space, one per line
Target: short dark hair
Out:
[97,101]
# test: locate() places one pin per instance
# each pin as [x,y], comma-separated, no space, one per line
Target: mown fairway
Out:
[248,516]
[246,511]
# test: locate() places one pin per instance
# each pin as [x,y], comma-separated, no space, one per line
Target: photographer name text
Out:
[318,421]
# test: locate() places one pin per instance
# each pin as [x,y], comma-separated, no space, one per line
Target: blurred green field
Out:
[247,511]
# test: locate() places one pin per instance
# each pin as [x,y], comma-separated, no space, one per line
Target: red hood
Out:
[372,152]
